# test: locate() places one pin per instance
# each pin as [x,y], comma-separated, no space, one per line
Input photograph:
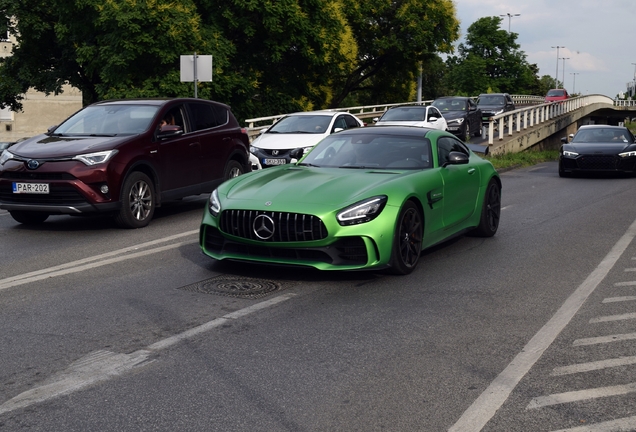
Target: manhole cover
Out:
[235,287]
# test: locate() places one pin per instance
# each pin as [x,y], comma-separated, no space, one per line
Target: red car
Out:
[121,158]
[555,95]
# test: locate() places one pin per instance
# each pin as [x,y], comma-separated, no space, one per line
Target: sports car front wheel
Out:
[407,240]
[490,212]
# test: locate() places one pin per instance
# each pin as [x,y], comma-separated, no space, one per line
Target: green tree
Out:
[394,38]
[490,58]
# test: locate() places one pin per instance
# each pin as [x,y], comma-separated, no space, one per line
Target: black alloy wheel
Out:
[491,211]
[407,240]
[232,169]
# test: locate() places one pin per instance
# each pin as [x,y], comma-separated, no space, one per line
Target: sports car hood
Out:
[599,148]
[278,141]
[44,146]
[287,186]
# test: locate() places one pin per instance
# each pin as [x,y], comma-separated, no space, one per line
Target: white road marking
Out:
[103,365]
[626,424]
[580,395]
[605,339]
[591,366]
[631,269]
[95,261]
[487,404]
[608,318]
[619,299]
[630,283]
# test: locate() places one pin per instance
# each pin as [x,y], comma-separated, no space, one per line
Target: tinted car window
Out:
[445,145]
[203,116]
[351,122]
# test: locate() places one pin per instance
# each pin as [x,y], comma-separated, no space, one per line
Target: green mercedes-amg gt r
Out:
[365,198]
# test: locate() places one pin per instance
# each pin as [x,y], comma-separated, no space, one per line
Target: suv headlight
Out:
[569,153]
[5,156]
[96,158]
[361,212]
[627,154]
[214,204]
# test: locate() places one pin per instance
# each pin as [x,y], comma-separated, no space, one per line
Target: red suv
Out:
[555,95]
[123,157]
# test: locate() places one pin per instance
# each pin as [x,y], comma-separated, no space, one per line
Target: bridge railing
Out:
[624,103]
[254,125]
[524,118]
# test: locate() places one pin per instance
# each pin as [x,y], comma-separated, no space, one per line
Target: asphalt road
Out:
[532,330]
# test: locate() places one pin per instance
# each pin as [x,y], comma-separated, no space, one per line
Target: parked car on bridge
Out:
[599,149]
[303,129]
[463,117]
[492,104]
[413,115]
[114,157]
[358,200]
[555,95]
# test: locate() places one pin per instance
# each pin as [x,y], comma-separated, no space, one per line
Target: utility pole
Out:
[509,15]
[564,59]
[556,76]
[574,74]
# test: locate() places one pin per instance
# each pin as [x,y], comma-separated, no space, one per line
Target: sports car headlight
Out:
[361,212]
[458,121]
[96,158]
[214,204]
[5,156]
[627,154]
[569,153]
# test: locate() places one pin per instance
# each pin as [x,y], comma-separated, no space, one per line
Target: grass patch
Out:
[522,159]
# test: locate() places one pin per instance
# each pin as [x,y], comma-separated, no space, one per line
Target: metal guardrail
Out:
[523,118]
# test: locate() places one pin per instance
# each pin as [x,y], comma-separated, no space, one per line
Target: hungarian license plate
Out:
[275,161]
[31,188]
[453,128]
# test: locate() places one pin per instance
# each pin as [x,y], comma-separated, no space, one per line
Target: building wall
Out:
[39,112]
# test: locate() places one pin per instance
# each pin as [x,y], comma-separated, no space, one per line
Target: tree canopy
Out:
[270,56]
[491,59]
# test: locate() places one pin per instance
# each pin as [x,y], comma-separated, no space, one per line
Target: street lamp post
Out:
[564,59]
[509,15]
[556,76]
[574,74]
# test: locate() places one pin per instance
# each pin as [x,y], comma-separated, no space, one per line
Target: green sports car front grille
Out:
[272,226]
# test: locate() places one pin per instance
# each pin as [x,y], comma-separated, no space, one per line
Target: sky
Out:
[598,38]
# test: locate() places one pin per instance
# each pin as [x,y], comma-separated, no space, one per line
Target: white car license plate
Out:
[31,188]
[275,161]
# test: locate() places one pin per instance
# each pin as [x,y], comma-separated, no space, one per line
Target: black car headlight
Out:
[458,121]
[361,212]
[627,154]
[570,154]
[214,204]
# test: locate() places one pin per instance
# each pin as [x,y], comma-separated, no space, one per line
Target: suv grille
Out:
[285,227]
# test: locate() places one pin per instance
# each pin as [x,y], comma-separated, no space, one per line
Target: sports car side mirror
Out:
[564,140]
[457,158]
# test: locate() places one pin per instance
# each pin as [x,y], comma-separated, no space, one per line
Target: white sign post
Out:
[195,71]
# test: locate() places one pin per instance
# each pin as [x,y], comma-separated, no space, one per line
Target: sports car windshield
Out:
[603,135]
[412,114]
[108,120]
[302,124]
[359,151]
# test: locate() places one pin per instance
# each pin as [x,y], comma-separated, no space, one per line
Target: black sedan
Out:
[598,149]
[463,117]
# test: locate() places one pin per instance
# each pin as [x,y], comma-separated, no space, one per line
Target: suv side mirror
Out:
[169,131]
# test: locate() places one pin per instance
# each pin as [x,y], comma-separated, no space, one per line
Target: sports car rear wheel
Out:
[490,211]
[407,240]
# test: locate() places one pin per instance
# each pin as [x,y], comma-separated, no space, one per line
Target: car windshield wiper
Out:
[299,132]
[308,164]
